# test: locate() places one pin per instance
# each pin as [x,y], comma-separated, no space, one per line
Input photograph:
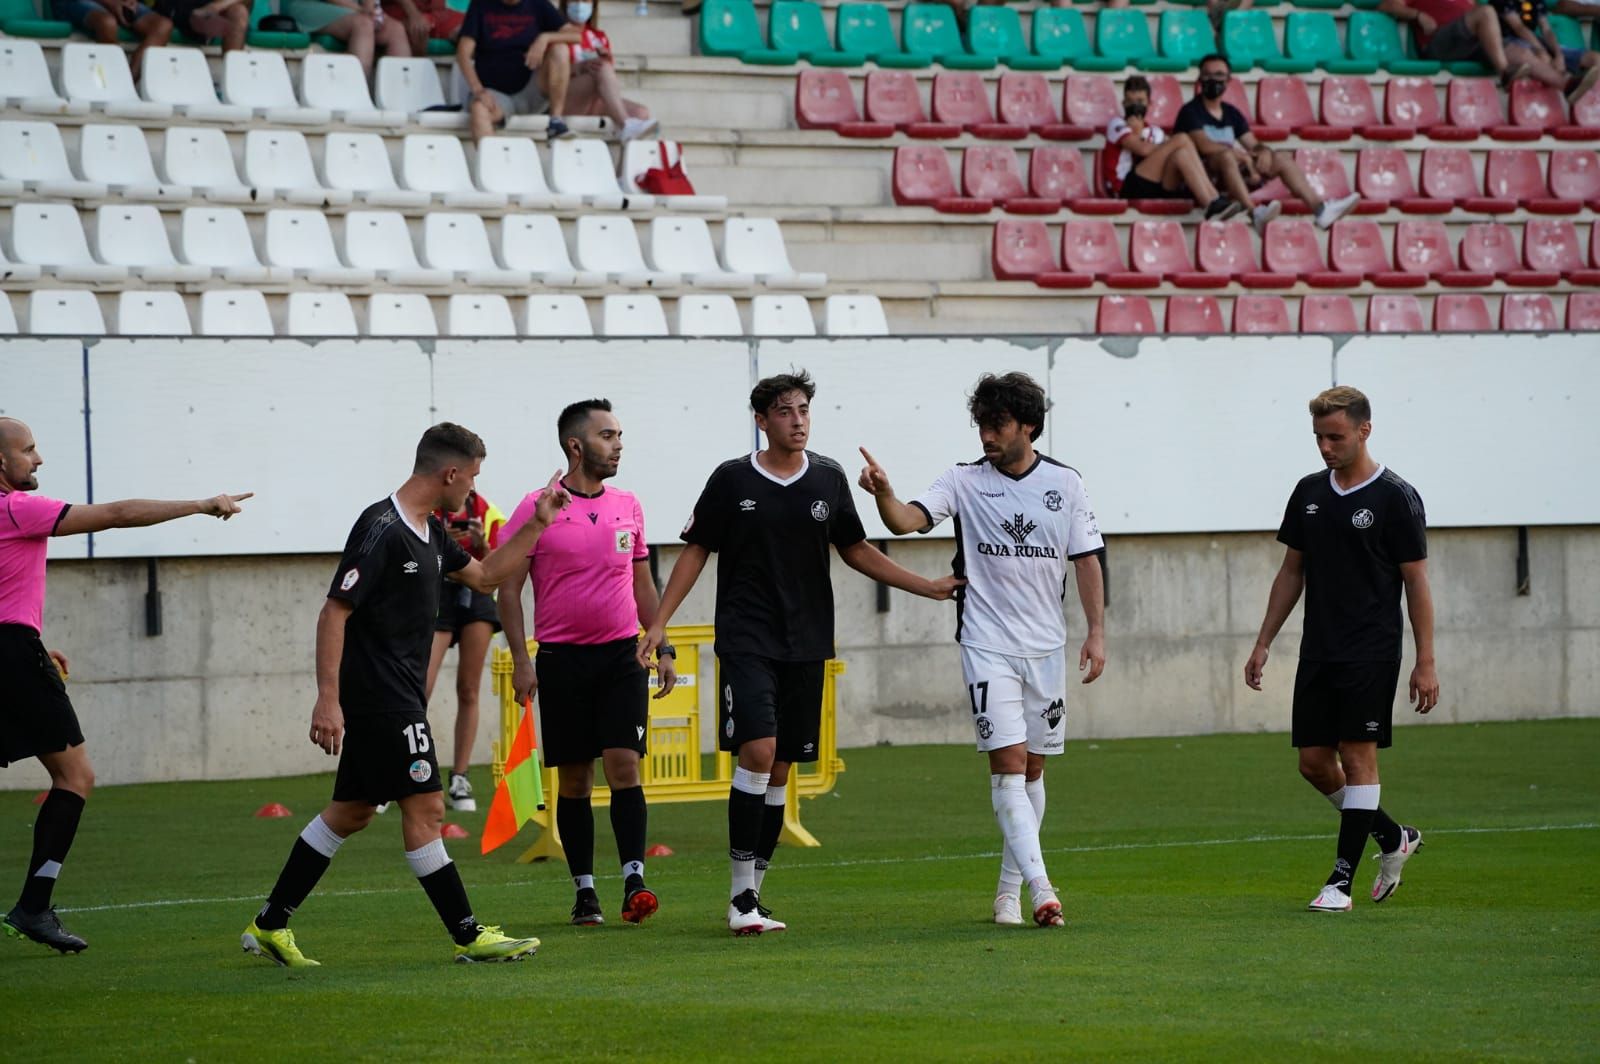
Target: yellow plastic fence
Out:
[674,768]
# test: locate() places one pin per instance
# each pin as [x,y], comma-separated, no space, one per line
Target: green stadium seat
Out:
[441,47]
[1319,5]
[1187,35]
[730,27]
[865,28]
[1314,35]
[1375,37]
[996,32]
[1124,35]
[1248,40]
[797,26]
[930,30]
[20,18]
[1059,33]
[1469,69]
[1568,32]
[257,38]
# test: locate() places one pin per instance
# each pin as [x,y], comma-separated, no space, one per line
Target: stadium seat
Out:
[632,315]
[1166,99]
[996,33]
[892,98]
[1090,101]
[823,99]
[1374,37]
[730,28]
[1528,312]
[557,315]
[786,315]
[1347,103]
[436,164]
[412,87]
[1490,247]
[1383,176]
[1461,312]
[583,167]
[21,18]
[796,26]
[25,81]
[277,162]
[1248,40]
[607,244]
[1394,313]
[400,314]
[865,28]
[992,172]
[1574,175]
[1328,314]
[683,246]
[534,242]
[931,30]
[959,99]
[49,236]
[1254,314]
[1024,100]
[1059,34]
[1513,174]
[1583,311]
[8,317]
[754,246]
[1281,102]
[133,236]
[640,156]
[1412,103]
[1585,124]
[1423,247]
[922,179]
[200,158]
[1548,245]
[713,315]
[1355,246]
[1057,173]
[319,314]
[854,315]
[118,157]
[181,79]
[1186,36]
[1194,315]
[475,314]
[1325,172]
[358,164]
[1089,248]
[1022,250]
[380,241]
[33,158]
[1291,250]
[459,242]
[98,75]
[152,314]
[1123,35]
[1226,250]
[1124,314]
[1447,174]
[1474,104]
[337,84]
[218,237]
[17,272]
[74,312]
[260,81]
[510,166]
[1535,105]
[1314,36]
[238,312]
[301,240]
[1158,248]
[259,38]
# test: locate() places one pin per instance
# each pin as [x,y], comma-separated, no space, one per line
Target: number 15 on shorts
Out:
[417,737]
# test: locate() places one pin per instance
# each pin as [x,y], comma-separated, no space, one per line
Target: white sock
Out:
[1010,874]
[320,837]
[750,782]
[428,859]
[1009,796]
[1336,799]
[583,882]
[630,868]
[1361,796]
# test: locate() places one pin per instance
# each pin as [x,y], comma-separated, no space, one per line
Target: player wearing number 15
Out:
[373,639]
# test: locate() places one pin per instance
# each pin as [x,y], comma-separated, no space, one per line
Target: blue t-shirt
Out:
[1225,130]
[503,33]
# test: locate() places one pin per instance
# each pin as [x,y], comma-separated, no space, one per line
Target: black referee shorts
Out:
[592,697]
[36,716]
[386,757]
[1344,701]
[459,606]
[762,699]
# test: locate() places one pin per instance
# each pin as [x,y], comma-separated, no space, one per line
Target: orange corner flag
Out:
[521,791]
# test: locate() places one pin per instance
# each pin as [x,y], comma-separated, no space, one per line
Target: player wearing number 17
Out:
[373,642]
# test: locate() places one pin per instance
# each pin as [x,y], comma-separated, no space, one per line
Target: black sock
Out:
[629,818]
[1354,827]
[1388,834]
[53,830]
[298,878]
[449,899]
[771,828]
[744,823]
[575,821]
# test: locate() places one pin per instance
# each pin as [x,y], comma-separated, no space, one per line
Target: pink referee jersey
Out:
[582,568]
[26,525]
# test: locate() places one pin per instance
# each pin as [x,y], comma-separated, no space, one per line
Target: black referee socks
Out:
[53,831]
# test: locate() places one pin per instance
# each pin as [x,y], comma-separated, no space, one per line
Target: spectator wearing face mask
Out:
[1139,161]
[594,88]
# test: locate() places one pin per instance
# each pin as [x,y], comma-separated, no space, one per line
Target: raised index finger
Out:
[865,454]
[242,498]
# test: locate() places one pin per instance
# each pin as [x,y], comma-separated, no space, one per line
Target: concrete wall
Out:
[226,690]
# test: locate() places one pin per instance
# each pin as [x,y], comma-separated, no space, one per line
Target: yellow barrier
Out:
[674,768]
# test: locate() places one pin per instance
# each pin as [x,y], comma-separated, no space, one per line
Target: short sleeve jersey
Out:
[1354,543]
[1225,130]
[1015,535]
[582,567]
[771,538]
[26,524]
[391,574]
[1116,164]
[502,33]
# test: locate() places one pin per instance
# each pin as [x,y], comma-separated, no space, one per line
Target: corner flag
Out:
[521,791]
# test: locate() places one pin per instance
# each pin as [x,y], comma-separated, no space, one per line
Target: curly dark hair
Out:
[1010,397]
[770,390]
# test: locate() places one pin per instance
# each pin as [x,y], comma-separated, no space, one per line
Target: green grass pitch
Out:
[1186,865]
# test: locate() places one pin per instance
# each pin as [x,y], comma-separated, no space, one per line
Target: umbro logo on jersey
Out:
[1362,518]
[1019,528]
[1372,725]
[410,567]
[1311,509]
[746,505]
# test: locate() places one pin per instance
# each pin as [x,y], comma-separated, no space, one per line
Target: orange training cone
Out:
[658,850]
[273,810]
[455,831]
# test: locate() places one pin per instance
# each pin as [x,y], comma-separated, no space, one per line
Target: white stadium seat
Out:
[119,158]
[302,241]
[8,317]
[239,312]
[478,315]
[787,315]
[278,163]
[337,84]
[607,244]
[583,168]
[181,79]
[562,315]
[320,314]
[152,314]
[25,81]
[460,243]
[411,86]
[133,235]
[381,241]
[511,167]
[755,245]
[435,163]
[98,75]
[49,235]
[400,314]
[17,272]
[65,313]
[534,242]
[708,316]
[31,153]
[260,81]
[200,158]
[683,245]
[639,156]
[359,163]
[219,238]
[854,316]
[633,315]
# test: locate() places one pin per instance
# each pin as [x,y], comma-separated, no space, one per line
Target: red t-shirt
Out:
[1443,12]
[483,510]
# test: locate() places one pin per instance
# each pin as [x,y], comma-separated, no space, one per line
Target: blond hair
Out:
[1345,398]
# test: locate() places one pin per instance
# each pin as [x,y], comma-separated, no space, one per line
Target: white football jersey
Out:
[1015,539]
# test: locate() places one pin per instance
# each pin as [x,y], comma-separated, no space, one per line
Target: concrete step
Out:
[797,185]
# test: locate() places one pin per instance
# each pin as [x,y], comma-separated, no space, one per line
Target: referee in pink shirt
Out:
[36,716]
[592,591]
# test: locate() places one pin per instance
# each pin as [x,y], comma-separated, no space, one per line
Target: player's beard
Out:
[598,464]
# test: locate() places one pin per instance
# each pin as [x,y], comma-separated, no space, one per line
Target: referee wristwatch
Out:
[667,651]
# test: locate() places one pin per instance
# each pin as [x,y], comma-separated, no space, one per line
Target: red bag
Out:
[667,179]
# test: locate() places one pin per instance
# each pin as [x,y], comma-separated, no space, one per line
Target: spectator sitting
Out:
[100,19]
[1460,31]
[358,23]
[424,20]
[1218,10]
[502,45]
[1140,162]
[1238,160]
[593,88]
[1530,34]
[225,20]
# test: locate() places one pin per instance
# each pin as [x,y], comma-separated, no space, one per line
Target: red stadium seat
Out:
[1089,246]
[1528,312]
[1124,314]
[1328,314]
[1575,175]
[892,97]
[1383,176]
[1583,310]
[1356,246]
[1022,250]
[1261,314]
[1513,174]
[1324,169]
[1461,312]
[1194,316]
[960,99]
[1490,247]
[1412,103]
[1291,250]
[1535,105]
[1474,103]
[1159,249]
[1282,101]
[1423,247]
[1347,104]
[823,99]
[1447,174]
[992,172]
[1226,249]
[1057,173]
[1585,124]
[1166,100]
[922,178]
[1551,244]
[1394,312]
[1024,100]
[1090,100]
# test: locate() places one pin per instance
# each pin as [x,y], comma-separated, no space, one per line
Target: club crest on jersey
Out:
[624,541]
[1054,712]
[349,580]
[1362,518]
[421,771]
[819,510]
[985,728]
[1052,501]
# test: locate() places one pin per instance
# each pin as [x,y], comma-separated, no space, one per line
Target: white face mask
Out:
[580,12]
